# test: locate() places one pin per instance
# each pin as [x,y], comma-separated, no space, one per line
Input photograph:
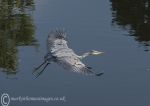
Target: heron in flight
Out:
[60,53]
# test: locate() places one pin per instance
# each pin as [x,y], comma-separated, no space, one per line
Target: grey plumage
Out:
[60,53]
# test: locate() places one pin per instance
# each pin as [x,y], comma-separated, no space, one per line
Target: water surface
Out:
[114,27]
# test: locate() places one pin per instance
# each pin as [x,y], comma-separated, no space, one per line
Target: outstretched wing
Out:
[64,56]
[56,40]
[74,64]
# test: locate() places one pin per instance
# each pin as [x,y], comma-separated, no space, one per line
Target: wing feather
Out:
[58,48]
[56,41]
[74,64]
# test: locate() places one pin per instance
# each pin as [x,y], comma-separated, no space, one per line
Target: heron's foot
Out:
[36,69]
[37,74]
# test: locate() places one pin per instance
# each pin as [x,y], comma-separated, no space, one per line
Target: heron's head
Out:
[94,52]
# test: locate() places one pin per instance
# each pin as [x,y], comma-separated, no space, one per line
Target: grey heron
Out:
[60,53]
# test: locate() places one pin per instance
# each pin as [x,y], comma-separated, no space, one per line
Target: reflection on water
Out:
[133,15]
[16,29]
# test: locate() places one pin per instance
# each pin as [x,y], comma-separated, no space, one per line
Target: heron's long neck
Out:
[84,55]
